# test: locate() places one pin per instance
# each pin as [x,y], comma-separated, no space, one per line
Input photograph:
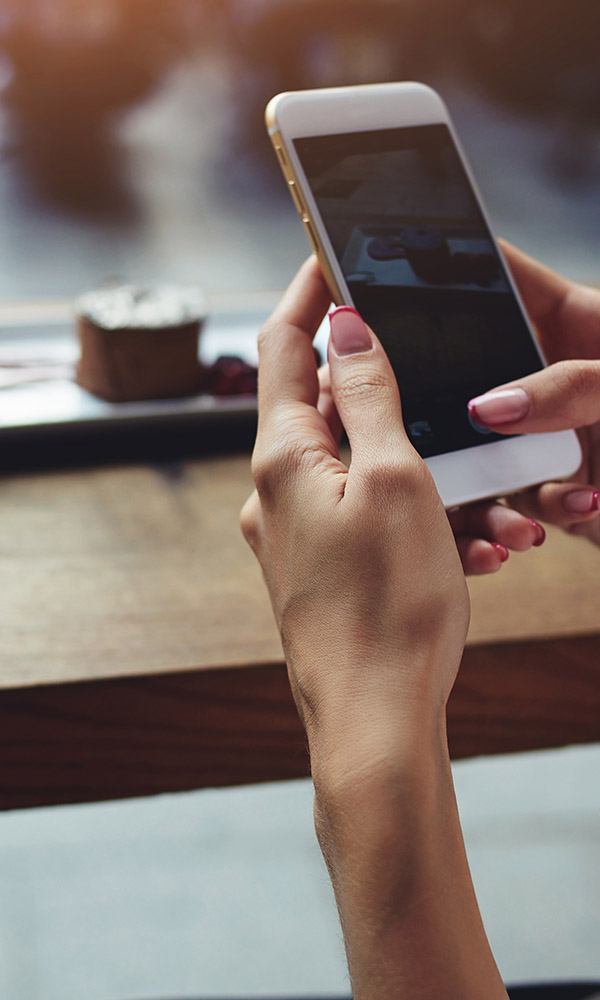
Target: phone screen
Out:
[423,272]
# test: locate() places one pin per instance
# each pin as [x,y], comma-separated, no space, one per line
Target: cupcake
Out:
[140,343]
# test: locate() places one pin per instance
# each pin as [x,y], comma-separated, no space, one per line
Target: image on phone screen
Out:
[423,272]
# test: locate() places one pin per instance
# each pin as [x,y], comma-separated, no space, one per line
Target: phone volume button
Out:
[311,235]
[281,156]
[297,198]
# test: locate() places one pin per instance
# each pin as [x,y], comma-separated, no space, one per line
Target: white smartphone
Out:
[392,212]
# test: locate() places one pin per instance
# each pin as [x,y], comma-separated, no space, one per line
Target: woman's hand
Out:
[564,395]
[484,532]
[371,602]
[361,565]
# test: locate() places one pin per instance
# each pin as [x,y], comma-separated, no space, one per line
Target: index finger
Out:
[287,371]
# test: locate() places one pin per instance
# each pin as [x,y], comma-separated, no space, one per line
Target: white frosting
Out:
[135,307]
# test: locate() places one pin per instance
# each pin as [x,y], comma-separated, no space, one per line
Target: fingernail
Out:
[541,532]
[349,334]
[582,501]
[501,550]
[501,407]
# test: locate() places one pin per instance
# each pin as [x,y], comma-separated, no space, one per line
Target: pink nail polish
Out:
[473,416]
[502,406]
[541,532]
[501,550]
[341,309]
[349,334]
[582,501]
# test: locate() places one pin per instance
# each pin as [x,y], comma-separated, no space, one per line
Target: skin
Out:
[566,394]
[372,655]
[365,573]
[484,532]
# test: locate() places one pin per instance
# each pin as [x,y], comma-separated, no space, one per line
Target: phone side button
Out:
[311,235]
[281,155]
[297,198]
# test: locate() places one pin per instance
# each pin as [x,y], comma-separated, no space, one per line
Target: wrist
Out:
[358,758]
[362,701]
[389,787]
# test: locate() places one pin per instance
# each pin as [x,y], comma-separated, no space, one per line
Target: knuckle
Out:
[266,472]
[266,333]
[275,468]
[365,385]
[398,475]
[249,521]
[574,380]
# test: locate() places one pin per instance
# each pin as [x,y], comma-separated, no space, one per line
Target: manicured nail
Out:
[541,533]
[501,407]
[582,501]
[349,334]
[501,550]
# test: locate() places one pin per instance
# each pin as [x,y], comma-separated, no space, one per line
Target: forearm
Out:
[392,841]
[370,599]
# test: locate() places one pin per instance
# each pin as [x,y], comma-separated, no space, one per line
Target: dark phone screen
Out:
[423,272]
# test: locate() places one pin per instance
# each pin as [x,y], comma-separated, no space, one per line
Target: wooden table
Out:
[138,653]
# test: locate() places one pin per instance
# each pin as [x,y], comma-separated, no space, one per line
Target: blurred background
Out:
[132,145]
[132,139]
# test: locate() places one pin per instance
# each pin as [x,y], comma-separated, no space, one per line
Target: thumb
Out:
[364,389]
[563,396]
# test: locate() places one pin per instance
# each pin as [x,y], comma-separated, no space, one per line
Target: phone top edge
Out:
[316,93]
[271,111]
[301,110]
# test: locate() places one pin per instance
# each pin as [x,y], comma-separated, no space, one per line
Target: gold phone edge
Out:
[291,177]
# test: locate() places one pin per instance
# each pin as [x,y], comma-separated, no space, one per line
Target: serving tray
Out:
[46,418]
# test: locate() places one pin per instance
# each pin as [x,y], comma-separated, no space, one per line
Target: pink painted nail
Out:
[501,550]
[541,532]
[349,335]
[582,501]
[501,407]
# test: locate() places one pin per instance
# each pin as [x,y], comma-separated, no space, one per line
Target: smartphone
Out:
[390,208]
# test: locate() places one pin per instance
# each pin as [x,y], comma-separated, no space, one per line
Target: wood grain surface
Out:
[138,652]
[117,738]
[139,570]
